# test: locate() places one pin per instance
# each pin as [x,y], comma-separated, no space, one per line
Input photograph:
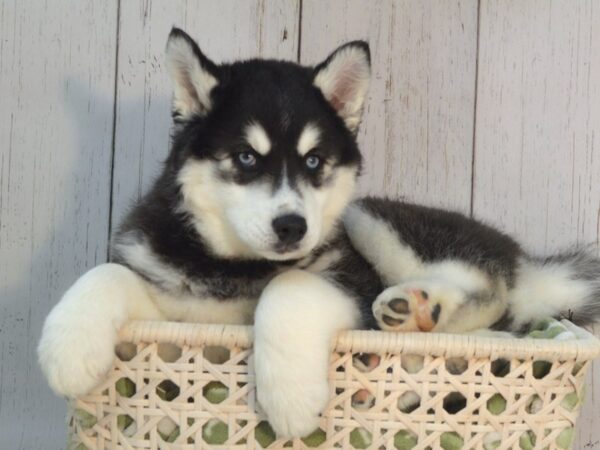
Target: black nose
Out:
[289,228]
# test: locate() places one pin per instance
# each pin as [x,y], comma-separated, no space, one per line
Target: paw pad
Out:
[391,321]
[399,305]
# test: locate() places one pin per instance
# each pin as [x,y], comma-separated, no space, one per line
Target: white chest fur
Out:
[205,310]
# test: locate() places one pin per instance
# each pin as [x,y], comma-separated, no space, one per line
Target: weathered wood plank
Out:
[537,164]
[57,68]
[225,30]
[418,128]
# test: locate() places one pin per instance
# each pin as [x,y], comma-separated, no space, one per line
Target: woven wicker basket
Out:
[168,376]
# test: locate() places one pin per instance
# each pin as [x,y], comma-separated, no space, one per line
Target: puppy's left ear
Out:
[343,78]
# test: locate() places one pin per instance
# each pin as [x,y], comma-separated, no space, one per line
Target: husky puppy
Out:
[247,211]
[248,206]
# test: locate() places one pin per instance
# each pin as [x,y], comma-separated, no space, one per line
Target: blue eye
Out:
[246,159]
[312,162]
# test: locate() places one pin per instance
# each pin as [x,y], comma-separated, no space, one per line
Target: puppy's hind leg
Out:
[78,339]
[451,297]
[297,317]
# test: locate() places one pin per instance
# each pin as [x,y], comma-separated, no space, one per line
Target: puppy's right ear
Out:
[194,76]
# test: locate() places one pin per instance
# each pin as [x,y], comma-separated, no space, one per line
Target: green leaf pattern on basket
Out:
[565,438]
[570,401]
[167,390]
[123,422]
[551,329]
[168,430]
[171,437]
[548,329]
[84,418]
[527,441]
[496,404]
[264,434]
[405,440]
[215,392]
[315,439]
[360,438]
[450,440]
[215,432]
[125,387]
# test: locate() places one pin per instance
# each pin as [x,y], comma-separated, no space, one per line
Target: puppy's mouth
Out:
[282,249]
[286,252]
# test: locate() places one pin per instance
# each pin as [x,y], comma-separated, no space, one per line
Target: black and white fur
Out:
[247,211]
[464,276]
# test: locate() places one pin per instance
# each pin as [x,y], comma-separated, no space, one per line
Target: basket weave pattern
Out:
[175,355]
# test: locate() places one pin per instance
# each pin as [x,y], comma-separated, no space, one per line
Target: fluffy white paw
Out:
[292,404]
[75,358]
[76,349]
[291,377]
[298,315]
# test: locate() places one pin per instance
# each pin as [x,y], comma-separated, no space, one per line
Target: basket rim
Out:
[585,347]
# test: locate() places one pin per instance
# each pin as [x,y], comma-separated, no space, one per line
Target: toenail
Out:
[399,305]
[435,314]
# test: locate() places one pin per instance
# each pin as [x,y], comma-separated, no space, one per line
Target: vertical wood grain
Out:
[225,31]
[418,127]
[57,68]
[537,146]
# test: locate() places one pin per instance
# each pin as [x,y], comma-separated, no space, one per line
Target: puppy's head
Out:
[264,151]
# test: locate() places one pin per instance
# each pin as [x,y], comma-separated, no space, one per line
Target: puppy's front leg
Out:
[78,339]
[298,315]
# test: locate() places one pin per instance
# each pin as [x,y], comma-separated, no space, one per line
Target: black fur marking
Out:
[355,275]
[262,91]
[585,266]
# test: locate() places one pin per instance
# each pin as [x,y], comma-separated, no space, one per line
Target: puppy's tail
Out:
[565,285]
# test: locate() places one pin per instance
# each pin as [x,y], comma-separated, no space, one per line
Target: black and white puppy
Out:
[248,210]
[248,206]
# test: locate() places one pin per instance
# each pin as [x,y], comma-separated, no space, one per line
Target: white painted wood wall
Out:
[489,107]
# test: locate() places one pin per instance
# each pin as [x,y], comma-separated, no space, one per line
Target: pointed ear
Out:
[193,74]
[343,78]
